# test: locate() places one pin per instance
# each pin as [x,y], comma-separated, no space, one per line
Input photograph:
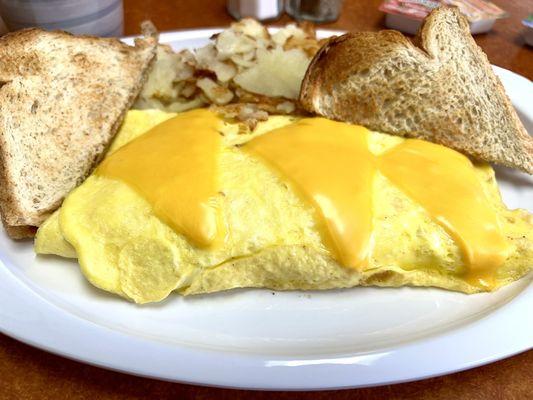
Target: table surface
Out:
[28,373]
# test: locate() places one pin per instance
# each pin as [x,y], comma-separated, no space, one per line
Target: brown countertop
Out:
[28,373]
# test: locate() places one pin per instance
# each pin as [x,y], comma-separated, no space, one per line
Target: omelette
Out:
[196,204]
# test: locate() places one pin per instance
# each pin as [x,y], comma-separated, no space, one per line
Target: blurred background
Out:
[501,27]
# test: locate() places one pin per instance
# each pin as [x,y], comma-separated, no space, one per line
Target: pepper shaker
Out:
[318,11]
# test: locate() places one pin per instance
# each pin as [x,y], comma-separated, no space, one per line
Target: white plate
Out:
[261,339]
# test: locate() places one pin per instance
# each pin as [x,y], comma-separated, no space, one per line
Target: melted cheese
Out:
[330,164]
[444,182]
[332,168]
[179,153]
[175,167]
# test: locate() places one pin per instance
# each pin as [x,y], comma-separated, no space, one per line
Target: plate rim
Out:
[103,347]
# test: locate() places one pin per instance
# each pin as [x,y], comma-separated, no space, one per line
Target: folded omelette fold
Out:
[271,236]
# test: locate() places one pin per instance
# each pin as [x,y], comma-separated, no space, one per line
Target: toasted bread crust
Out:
[62,100]
[20,232]
[443,91]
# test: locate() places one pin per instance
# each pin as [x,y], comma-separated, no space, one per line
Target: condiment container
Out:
[407,15]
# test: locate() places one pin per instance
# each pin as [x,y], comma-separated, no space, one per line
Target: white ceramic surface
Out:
[272,340]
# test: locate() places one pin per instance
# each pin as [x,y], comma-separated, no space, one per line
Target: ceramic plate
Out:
[261,339]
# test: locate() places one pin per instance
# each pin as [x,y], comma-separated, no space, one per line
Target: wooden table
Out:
[504,45]
[28,373]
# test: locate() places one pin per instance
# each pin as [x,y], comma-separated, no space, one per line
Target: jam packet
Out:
[407,15]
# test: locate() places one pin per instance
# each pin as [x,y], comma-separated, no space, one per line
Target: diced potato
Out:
[243,66]
[277,73]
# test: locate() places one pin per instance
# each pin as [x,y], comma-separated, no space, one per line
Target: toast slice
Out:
[62,99]
[442,90]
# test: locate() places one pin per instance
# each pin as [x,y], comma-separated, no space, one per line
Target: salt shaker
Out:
[262,10]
